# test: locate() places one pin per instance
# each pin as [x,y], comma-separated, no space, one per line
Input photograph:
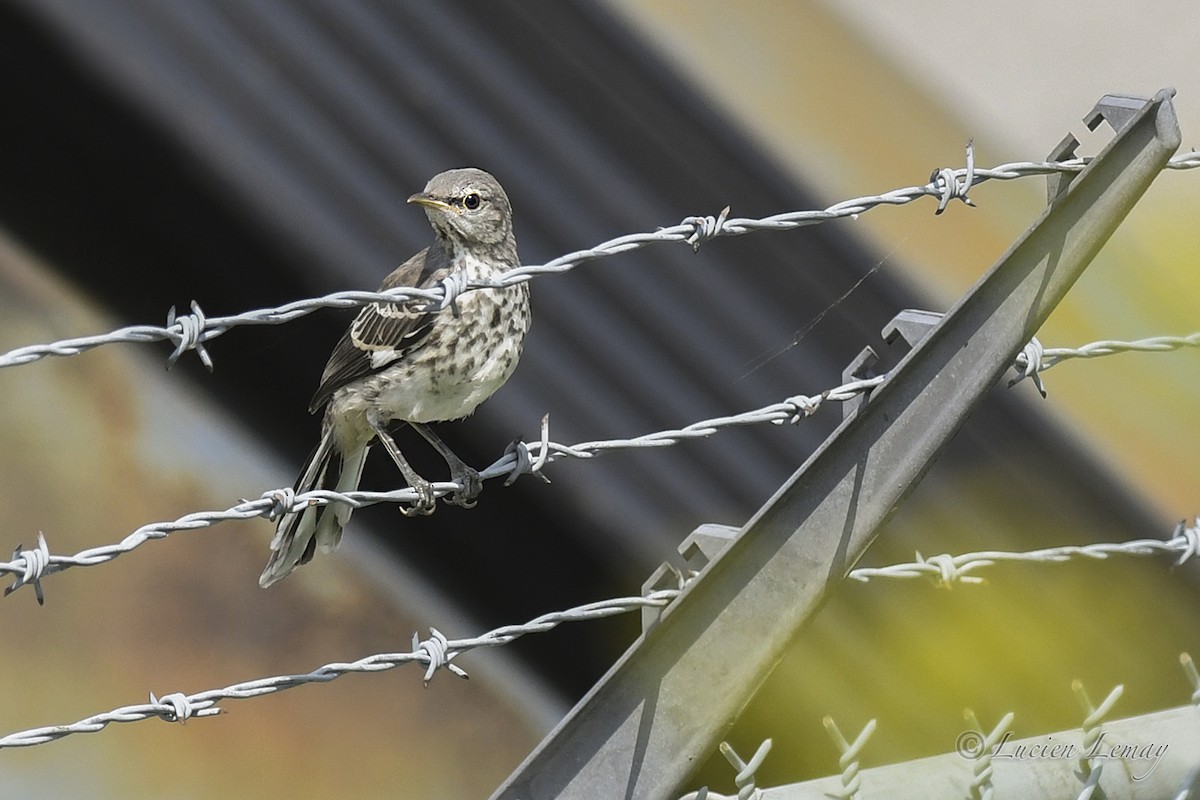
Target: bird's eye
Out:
[472,201]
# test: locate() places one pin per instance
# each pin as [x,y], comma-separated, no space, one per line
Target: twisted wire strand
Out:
[192,331]
[435,653]
[1039,359]
[438,652]
[30,566]
[848,757]
[946,570]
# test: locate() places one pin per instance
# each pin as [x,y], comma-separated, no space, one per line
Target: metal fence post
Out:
[660,711]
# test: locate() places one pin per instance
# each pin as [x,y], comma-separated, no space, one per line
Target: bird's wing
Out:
[383,333]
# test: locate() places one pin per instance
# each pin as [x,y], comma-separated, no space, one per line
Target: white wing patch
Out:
[384,331]
[382,356]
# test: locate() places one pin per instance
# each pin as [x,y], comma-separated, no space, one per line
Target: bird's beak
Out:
[422,199]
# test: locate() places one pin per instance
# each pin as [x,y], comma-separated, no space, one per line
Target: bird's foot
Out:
[472,484]
[426,500]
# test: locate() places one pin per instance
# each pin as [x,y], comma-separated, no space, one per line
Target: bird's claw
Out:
[426,501]
[472,485]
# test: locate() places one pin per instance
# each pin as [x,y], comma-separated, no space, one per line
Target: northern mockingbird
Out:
[400,362]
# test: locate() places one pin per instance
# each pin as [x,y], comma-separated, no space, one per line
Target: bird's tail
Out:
[299,534]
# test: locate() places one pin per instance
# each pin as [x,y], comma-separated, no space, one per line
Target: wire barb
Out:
[946,182]
[705,228]
[948,572]
[848,756]
[452,285]
[802,407]
[744,779]
[283,501]
[190,336]
[1190,536]
[1089,768]
[438,653]
[1029,362]
[30,567]
[984,748]
[177,707]
[523,463]
[1193,676]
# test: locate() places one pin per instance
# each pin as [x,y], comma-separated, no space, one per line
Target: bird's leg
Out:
[460,472]
[426,502]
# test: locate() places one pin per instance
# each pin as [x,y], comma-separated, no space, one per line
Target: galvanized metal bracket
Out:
[1118,110]
[861,368]
[696,551]
[664,706]
[907,328]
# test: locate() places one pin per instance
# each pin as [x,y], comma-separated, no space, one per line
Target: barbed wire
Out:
[438,651]
[946,570]
[1035,359]
[982,749]
[849,754]
[744,779]
[32,565]
[192,331]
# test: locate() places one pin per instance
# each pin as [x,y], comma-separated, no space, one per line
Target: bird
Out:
[400,362]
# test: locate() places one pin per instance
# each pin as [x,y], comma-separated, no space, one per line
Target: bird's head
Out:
[467,206]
